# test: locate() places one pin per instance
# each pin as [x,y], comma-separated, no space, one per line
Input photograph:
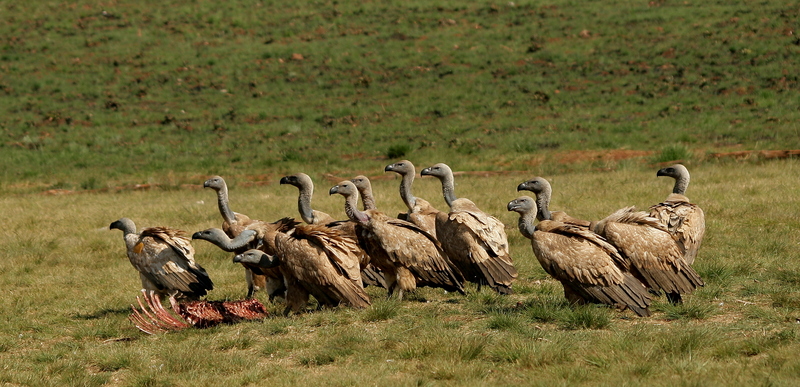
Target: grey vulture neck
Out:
[541,187]
[681,176]
[306,186]
[218,184]
[348,190]
[445,175]
[365,190]
[407,171]
[223,241]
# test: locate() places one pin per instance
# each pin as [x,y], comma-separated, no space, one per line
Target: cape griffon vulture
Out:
[320,261]
[164,258]
[408,256]
[585,264]
[371,275]
[544,191]
[650,252]
[233,224]
[474,240]
[684,220]
[306,187]
[420,212]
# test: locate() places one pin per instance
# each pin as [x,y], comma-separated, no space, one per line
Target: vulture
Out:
[164,258]
[306,187]
[262,236]
[684,220]
[474,240]
[322,262]
[370,275]
[650,252]
[420,212]
[408,256]
[233,224]
[543,191]
[586,264]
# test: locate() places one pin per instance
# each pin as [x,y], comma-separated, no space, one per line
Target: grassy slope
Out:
[94,100]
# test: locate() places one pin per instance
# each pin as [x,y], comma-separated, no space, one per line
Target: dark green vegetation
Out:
[96,95]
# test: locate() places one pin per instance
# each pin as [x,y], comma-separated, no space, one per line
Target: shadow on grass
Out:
[105,312]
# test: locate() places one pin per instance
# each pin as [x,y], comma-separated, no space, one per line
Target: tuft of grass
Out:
[381,310]
[397,151]
[472,347]
[674,152]
[689,309]
[586,317]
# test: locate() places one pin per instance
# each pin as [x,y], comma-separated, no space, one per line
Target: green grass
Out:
[134,108]
[69,287]
[158,93]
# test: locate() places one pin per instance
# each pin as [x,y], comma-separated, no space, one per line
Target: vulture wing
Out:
[166,258]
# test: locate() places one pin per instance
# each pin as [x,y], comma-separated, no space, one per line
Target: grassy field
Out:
[98,95]
[100,98]
[68,287]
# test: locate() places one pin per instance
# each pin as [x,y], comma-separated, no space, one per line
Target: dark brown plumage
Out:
[321,261]
[684,220]
[474,240]
[407,255]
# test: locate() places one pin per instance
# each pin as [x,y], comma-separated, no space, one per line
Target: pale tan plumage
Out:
[684,220]
[585,264]
[233,224]
[164,258]
[407,255]
[541,187]
[651,253]
[420,212]
[474,240]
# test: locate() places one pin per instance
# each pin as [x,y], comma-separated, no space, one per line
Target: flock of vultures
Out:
[621,261]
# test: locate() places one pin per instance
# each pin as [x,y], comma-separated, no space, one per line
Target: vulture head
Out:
[362,183]
[216,183]
[522,205]
[298,180]
[258,258]
[674,171]
[536,185]
[440,171]
[126,225]
[680,174]
[345,188]
[402,167]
